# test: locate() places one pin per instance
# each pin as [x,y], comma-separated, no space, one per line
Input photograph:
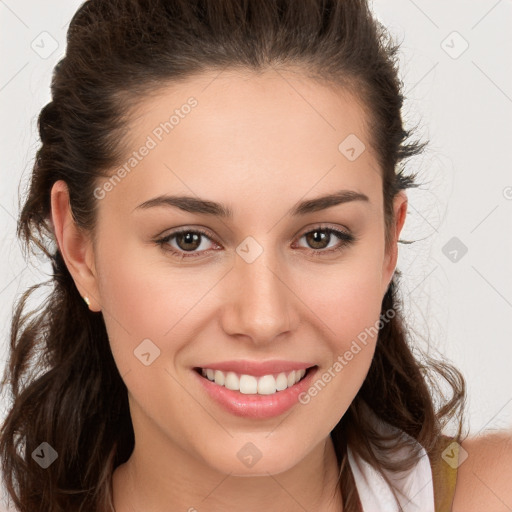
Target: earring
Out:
[87,301]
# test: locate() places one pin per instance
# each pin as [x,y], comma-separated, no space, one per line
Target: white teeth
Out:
[266,385]
[281,382]
[250,385]
[232,381]
[219,378]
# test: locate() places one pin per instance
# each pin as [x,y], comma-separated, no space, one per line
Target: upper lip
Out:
[257,368]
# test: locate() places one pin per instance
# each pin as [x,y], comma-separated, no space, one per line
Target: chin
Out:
[245,457]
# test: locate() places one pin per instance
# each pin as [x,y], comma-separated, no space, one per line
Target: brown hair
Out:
[118,51]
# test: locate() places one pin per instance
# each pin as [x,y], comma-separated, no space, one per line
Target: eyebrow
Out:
[206,207]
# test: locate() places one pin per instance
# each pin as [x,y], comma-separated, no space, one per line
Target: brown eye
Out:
[191,241]
[188,240]
[318,240]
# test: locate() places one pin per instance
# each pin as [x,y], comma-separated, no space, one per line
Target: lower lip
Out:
[257,406]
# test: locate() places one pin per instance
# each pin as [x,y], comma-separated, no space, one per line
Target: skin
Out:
[483,479]
[283,132]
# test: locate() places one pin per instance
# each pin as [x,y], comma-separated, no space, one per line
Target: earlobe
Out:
[75,245]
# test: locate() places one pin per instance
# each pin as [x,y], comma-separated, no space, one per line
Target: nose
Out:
[261,303]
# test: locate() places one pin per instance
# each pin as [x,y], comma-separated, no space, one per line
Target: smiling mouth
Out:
[251,385]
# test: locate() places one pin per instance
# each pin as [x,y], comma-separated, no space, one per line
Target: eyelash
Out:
[345,240]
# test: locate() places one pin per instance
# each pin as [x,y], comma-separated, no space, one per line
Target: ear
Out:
[75,245]
[391,257]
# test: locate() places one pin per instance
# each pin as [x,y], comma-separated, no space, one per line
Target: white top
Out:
[415,487]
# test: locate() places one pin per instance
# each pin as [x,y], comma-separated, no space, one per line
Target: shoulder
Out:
[483,478]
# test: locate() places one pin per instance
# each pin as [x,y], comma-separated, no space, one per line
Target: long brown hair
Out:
[60,360]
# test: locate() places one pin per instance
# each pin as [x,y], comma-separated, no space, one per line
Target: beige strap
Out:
[444,470]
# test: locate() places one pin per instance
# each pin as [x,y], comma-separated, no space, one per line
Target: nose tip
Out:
[259,305]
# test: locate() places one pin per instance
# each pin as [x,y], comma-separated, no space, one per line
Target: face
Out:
[279,285]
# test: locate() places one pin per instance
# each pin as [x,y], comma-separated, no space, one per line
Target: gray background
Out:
[456,68]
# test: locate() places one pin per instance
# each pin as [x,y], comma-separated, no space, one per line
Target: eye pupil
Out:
[189,241]
[189,238]
[317,238]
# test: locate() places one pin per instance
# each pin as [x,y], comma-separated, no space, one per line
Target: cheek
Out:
[146,299]
[345,305]
[133,306]
[345,298]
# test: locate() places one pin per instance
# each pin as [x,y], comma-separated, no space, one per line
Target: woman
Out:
[220,182]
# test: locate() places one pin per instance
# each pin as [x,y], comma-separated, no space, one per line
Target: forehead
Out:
[275,131]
